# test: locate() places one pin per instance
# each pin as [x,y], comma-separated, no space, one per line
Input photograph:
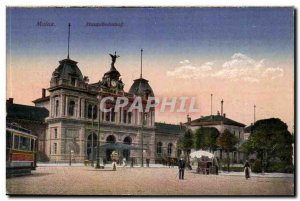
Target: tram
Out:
[20,150]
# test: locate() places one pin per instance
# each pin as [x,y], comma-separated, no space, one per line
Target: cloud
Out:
[239,67]
[273,73]
[185,62]
[189,71]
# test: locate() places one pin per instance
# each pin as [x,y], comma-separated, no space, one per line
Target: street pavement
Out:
[60,179]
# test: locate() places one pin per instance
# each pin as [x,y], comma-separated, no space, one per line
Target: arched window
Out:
[170,149]
[90,108]
[56,107]
[111,139]
[95,112]
[127,140]
[126,152]
[71,107]
[159,148]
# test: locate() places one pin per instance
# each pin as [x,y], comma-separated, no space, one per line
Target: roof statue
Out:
[114,58]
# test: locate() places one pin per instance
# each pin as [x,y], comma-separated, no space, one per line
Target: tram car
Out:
[20,150]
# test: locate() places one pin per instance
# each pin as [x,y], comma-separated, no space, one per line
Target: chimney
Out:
[10,101]
[222,107]
[43,93]
[189,119]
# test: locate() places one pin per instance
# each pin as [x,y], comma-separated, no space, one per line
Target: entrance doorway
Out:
[109,139]
[126,152]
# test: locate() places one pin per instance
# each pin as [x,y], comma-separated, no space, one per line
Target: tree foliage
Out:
[206,138]
[270,141]
[186,141]
[227,142]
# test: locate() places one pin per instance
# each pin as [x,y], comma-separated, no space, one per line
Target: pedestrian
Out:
[247,169]
[124,162]
[181,167]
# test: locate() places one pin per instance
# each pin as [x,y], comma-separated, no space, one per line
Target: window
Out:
[102,115]
[159,148]
[55,133]
[113,115]
[95,112]
[129,117]
[56,107]
[71,108]
[16,141]
[135,117]
[120,116]
[170,149]
[124,116]
[24,144]
[90,108]
[73,81]
[107,116]
[55,148]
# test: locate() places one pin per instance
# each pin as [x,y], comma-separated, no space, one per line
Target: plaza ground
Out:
[80,180]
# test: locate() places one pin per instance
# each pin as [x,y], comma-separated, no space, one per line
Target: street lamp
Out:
[98,140]
[92,147]
[142,136]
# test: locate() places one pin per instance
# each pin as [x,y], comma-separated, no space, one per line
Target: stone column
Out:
[66,107]
[62,107]
[82,107]
[78,108]
[51,107]
[121,113]
[82,143]
[152,148]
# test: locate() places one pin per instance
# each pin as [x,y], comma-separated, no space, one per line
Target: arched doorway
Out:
[91,146]
[110,139]
[126,152]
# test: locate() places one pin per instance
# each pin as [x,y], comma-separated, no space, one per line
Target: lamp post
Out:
[92,147]
[98,140]
[142,136]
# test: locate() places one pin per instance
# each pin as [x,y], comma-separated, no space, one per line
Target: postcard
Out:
[150,101]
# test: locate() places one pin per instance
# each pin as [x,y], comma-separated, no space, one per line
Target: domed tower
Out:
[141,87]
[67,73]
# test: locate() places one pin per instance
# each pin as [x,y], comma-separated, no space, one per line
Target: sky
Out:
[244,56]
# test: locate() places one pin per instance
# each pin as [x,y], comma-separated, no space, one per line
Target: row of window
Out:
[92,113]
[159,148]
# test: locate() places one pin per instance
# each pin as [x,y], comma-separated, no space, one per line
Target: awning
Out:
[199,154]
[117,146]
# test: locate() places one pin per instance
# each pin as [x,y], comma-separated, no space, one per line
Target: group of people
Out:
[182,165]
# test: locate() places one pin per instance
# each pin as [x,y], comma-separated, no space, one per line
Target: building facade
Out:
[75,117]
[221,123]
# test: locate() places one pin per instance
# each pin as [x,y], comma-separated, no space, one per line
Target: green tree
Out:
[227,142]
[270,141]
[206,138]
[186,142]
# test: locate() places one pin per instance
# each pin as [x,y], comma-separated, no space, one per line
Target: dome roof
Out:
[66,69]
[141,86]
